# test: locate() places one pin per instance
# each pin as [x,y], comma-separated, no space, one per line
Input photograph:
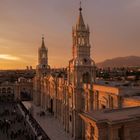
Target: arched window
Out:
[86,78]
[3,90]
[104,102]
[9,90]
[83,41]
[85,61]
[79,40]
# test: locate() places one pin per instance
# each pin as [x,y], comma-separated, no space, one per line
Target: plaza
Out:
[13,125]
[49,124]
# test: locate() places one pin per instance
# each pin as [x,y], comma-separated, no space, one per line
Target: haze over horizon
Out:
[114,27]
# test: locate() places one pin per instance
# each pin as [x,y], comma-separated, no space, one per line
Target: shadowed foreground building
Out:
[22,89]
[88,109]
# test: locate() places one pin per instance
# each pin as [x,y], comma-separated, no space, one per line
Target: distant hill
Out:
[120,62]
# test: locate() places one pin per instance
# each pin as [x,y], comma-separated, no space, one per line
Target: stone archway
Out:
[25,95]
[9,90]
[3,90]
[86,78]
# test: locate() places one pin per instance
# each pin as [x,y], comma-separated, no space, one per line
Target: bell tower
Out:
[81,71]
[43,54]
[81,46]
[81,67]
[42,67]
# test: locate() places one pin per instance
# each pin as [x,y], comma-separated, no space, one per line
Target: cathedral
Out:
[88,109]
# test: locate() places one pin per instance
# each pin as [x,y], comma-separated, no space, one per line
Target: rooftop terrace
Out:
[114,116]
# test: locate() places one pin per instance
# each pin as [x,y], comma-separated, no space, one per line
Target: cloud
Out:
[9,57]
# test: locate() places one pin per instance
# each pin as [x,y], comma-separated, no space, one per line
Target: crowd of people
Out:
[13,125]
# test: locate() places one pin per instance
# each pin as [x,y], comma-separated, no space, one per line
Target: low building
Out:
[119,124]
[20,90]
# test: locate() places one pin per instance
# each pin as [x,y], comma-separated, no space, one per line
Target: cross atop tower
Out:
[80,9]
[81,65]
[80,23]
[81,42]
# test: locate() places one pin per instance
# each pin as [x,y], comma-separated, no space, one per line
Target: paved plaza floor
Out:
[50,125]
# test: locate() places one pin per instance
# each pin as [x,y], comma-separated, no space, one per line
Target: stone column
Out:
[126,134]
[77,126]
[115,134]
[83,130]
[120,101]
[110,133]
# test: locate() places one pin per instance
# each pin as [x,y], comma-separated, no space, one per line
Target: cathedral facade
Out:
[78,101]
[62,94]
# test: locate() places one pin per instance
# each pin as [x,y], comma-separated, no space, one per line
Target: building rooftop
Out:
[115,83]
[135,98]
[125,89]
[114,116]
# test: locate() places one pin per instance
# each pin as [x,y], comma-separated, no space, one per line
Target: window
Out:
[79,40]
[83,41]
[85,60]
[70,118]
[3,90]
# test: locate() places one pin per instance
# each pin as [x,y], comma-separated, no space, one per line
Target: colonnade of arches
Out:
[6,94]
[6,90]
[9,92]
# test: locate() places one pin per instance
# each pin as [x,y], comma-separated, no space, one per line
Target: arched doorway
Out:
[51,106]
[25,95]
[86,78]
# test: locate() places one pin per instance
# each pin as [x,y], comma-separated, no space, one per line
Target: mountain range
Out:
[128,61]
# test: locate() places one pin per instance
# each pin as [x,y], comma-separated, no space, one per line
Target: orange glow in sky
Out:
[114,28]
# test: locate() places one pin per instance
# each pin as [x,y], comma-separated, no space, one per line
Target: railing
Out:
[35,124]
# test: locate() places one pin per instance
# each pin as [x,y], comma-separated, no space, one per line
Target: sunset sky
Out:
[114,27]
